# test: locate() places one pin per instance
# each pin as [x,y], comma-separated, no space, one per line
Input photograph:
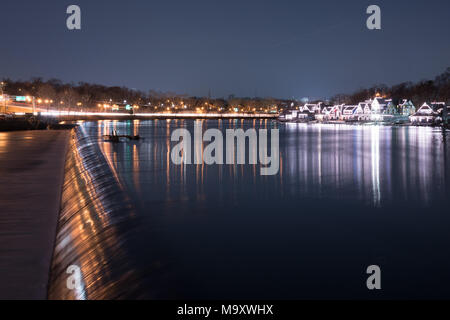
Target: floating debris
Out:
[114,137]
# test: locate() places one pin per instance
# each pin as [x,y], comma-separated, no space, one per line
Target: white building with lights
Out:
[378,105]
[427,113]
[353,113]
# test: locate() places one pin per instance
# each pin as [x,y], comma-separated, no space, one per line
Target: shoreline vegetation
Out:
[55,95]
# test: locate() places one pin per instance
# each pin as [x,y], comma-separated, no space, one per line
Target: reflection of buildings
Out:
[361,159]
[375,164]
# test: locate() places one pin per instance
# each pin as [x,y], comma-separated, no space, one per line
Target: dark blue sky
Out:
[270,48]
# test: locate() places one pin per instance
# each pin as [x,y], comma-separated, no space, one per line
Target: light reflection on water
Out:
[373,164]
[142,227]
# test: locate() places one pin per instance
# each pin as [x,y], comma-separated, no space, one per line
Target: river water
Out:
[345,197]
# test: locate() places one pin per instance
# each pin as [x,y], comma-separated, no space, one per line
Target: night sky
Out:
[273,48]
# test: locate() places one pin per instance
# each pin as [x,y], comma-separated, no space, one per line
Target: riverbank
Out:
[31,177]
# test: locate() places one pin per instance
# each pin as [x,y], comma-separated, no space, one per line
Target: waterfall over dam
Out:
[96,231]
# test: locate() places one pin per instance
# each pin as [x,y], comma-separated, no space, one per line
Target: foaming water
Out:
[345,197]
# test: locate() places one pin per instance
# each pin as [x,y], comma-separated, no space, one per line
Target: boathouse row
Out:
[377,109]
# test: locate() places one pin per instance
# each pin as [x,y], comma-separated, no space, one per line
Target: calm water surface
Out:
[345,197]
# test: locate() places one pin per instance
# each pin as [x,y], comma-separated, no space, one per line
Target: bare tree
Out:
[70,98]
[47,92]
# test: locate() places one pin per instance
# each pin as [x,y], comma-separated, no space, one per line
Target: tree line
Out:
[95,96]
[420,92]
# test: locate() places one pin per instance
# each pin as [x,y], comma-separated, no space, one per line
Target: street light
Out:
[2,84]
